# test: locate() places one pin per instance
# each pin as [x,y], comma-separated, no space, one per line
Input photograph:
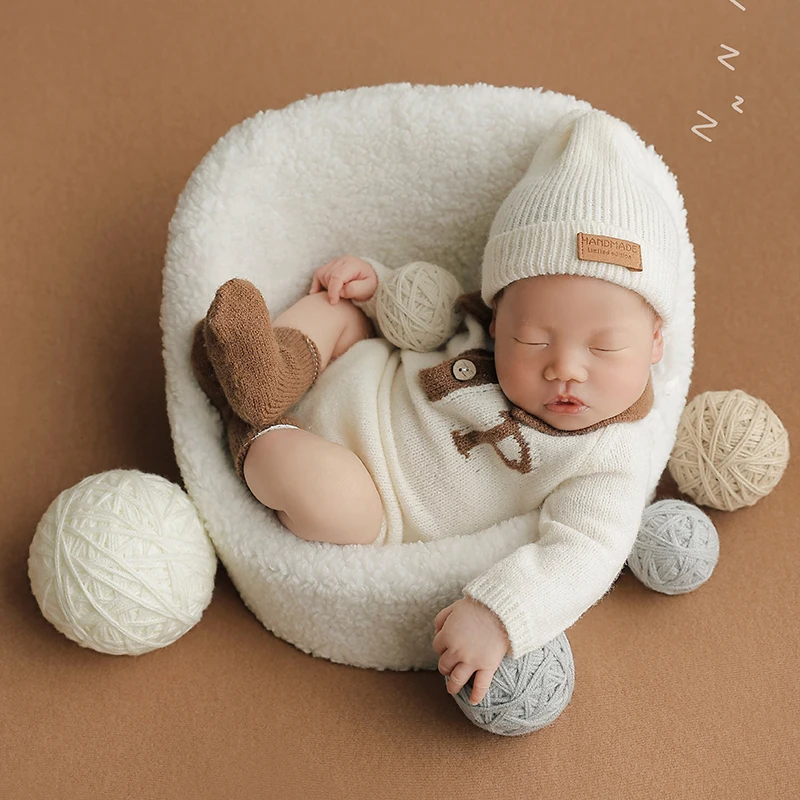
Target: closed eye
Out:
[544,344]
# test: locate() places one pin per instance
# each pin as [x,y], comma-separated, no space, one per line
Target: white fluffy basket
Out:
[403,172]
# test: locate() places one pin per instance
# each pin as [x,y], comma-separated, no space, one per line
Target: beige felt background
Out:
[107,107]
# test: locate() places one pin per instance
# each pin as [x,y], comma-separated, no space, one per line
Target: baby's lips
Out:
[562,398]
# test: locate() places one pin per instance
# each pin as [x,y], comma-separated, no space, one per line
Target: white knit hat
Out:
[587,206]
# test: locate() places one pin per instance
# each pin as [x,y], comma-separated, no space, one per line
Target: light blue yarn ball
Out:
[677,547]
[526,693]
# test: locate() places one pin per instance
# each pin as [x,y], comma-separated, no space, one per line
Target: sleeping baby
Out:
[537,402]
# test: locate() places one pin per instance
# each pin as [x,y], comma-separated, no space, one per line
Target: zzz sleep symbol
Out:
[724,60]
[509,427]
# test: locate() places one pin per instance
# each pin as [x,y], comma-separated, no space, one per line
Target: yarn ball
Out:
[526,693]
[731,450]
[676,549]
[415,306]
[121,563]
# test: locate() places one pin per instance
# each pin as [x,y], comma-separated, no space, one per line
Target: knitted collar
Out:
[472,303]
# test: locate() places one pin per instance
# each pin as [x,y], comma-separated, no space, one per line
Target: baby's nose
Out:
[566,366]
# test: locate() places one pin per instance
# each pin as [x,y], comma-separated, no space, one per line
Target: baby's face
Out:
[573,335]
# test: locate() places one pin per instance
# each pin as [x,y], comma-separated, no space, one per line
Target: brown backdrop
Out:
[107,108]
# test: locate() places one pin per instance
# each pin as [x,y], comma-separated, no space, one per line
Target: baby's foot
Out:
[204,373]
[240,434]
[262,370]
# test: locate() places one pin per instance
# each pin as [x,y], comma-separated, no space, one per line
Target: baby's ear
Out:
[494,319]
[658,343]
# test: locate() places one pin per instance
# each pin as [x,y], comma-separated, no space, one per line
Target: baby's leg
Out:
[264,366]
[321,491]
[333,327]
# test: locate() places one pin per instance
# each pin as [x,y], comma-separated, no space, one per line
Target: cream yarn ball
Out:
[415,306]
[730,451]
[122,563]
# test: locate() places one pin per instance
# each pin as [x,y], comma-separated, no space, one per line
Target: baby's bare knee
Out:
[266,464]
[324,489]
[336,499]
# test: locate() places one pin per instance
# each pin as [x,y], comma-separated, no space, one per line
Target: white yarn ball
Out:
[122,563]
[415,306]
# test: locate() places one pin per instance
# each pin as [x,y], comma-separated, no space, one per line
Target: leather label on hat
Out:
[609,250]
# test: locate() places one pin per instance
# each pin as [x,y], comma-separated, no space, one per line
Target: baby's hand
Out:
[346,276]
[469,639]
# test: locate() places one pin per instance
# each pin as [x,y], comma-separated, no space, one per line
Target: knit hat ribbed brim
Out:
[587,206]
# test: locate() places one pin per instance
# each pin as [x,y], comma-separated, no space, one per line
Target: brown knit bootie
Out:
[240,434]
[263,370]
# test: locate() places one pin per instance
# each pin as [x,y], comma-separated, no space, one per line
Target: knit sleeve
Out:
[587,529]
[368,306]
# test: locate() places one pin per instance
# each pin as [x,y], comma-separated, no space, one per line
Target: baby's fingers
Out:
[458,676]
[480,685]
[442,616]
[321,276]
[335,284]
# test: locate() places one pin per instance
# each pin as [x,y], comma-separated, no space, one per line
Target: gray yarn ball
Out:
[677,547]
[526,693]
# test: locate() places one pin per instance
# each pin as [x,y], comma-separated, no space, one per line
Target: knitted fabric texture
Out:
[262,370]
[240,434]
[449,457]
[586,206]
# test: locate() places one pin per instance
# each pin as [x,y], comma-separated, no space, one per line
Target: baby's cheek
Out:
[513,379]
[626,384]
[502,369]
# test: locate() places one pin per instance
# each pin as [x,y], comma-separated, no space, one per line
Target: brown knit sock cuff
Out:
[304,351]
[315,355]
